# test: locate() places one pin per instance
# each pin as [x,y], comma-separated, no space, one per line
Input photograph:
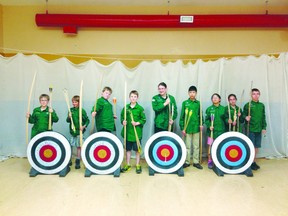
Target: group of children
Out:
[218,119]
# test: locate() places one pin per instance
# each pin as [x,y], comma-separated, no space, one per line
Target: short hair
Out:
[192,88]
[216,95]
[232,95]
[134,92]
[44,96]
[162,84]
[76,98]
[106,88]
[255,90]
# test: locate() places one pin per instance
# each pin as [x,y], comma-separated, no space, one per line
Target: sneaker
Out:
[198,166]
[253,166]
[210,164]
[186,165]
[126,168]
[77,164]
[138,169]
[257,166]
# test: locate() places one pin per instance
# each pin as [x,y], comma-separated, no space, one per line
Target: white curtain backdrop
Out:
[268,73]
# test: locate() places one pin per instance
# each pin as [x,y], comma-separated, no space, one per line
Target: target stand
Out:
[102,154]
[165,152]
[49,153]
[232,153]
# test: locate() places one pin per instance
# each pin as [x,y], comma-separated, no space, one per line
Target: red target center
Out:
[233,153]
[48,153]
[102,153]
[165,152]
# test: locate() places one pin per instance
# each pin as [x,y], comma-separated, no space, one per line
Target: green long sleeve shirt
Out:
[258,116]
[104,118]
[75,116]
[194,121]
[40,120]
[233,110]
[138,116]
[219,120]
[162,112]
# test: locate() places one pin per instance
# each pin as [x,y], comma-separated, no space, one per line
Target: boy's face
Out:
[215,99]
[232,101]
[133,98]
[162,90]
[106,94]
[75,103]
[255,95]
[192,94]
[43,102]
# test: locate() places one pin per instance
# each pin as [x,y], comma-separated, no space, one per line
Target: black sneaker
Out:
[257,166]
[186,165]
[253,166]
[77,164]
[198,166]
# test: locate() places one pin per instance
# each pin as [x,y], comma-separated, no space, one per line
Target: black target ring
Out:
[232,152]
[165,152]
[49,152]
[102,153]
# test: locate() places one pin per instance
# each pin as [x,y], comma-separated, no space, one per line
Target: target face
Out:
[102,153]
[232,152]
[49,152]
[165,152]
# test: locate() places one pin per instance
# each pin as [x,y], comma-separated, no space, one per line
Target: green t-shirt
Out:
[258,117]
[219,118]
[194,121]
[40,120]
[104,117]
[162,112]
[75,116]
[138,116]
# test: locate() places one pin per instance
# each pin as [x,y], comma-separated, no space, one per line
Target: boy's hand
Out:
[27,115]
[183,132]
[114,116]
[248,118]
[94,114]
[171,121]
[50,110]
[167,101]
[211,128]
[124,123]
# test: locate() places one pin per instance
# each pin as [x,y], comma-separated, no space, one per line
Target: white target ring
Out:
[165,152]
[232,152]
[49,152]
[102,153]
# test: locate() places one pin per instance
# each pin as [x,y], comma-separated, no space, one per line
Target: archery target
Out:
[165,152]
[102,153]
[49,152]
[232,152]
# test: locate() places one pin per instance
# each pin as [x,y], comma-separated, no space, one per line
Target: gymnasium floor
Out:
[199,192]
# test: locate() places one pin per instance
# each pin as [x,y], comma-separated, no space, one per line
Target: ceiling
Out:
[149,2]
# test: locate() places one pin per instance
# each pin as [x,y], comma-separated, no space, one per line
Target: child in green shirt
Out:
[75,128]
[236,118]
[40,116]
[215,123]
[190,126]
[255,122]
[135,120]
[165,109]
[103,113]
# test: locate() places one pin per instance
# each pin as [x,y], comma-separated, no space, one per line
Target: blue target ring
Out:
[232,152]
[223,153]
[165,152]
[161,162]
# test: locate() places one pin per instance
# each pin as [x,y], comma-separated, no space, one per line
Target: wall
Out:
[21,33]
[1,29]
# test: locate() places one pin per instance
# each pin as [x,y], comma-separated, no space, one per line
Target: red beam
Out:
[160,21]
